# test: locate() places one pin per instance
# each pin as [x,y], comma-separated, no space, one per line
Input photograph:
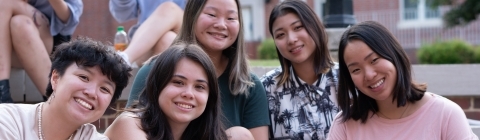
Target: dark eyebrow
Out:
[216,9]
[185,78]
[364,59]
[290,25]
[90,72]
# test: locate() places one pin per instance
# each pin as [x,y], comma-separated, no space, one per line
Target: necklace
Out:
[408,105]
[40,132]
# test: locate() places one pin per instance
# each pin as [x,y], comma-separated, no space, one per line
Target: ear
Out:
[54,79]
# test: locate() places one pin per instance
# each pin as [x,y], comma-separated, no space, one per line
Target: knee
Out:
[21,23]
[239,133]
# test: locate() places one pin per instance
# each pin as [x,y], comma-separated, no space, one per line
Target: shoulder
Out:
[272,73]
[89,131]
[126,126]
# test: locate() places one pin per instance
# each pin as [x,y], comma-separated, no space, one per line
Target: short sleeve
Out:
[457,127]
[338,129]
[8,128]
[256,109]
[139,83]
[58,27]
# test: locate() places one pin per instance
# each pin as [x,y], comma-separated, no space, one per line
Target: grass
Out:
[258,62]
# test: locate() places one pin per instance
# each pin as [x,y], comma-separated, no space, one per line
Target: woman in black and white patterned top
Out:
[302,92]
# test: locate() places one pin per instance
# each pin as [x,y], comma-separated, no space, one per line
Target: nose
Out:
[292,38]
[90,91]
[220,24]
[370,74]
[188,93]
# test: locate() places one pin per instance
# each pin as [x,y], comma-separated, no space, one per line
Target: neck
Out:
[177,130]
[305,72]
[54,125]
[220,62]
[388,109]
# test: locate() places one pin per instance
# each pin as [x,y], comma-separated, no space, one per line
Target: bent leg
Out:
[167,17]
[32,44]
[165,41]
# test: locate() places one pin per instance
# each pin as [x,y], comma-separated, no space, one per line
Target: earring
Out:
[51,97]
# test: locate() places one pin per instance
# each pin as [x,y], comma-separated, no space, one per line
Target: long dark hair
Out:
[239,76]
[208,126]
[322,60]
[355,104]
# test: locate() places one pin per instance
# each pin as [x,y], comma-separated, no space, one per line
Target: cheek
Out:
[234,29]
[357,80]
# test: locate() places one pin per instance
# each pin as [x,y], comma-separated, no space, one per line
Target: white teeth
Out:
[184,106]
[377,84]
[295,49]
[84,104]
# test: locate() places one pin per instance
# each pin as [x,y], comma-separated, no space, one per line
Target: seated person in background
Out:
[378,97]
[158,23]
[28,32]
[86,77]
[181,100]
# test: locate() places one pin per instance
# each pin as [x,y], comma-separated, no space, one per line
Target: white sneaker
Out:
[125,57]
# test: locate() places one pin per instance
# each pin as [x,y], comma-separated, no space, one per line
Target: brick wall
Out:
[96,21]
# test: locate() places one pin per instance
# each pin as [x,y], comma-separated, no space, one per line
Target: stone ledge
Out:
[445,80]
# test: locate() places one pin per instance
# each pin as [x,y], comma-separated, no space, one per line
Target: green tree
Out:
[461,13]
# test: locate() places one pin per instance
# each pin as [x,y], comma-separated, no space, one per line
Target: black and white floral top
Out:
[299,110]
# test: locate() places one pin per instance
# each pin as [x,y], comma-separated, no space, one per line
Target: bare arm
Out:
[125,127]
[260,133]
[61,9]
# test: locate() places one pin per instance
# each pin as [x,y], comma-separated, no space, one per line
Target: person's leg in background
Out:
[165,19]
[29,27]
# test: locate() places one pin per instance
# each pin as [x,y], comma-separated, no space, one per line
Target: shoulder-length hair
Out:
[355,104]
[239,76]
[208,125]
[322,59]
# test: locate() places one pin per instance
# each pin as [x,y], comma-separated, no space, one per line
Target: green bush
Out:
[446,52]
[477,55]
[267,49]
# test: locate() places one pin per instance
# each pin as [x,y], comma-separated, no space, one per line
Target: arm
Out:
[256,112]
[66,17]
[457,127]
[123,10]
[125,127]
[260,133]
[61,9]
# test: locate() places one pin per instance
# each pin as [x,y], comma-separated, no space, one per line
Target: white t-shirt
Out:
[17,122]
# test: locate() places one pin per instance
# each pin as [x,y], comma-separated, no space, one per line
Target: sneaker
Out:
[5,92]
[125,57]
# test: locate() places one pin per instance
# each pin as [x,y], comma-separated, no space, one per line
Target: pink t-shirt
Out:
[438,119]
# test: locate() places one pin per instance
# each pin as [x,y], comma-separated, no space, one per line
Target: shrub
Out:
[447,52]
[267,49]
[477,54]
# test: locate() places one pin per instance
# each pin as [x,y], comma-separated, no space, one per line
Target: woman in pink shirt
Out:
[378,97]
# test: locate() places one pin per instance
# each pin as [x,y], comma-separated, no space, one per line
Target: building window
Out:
[419,13]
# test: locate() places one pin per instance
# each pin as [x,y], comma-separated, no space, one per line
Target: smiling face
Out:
[373,75]
[82,93]
[217,25]
[184,98]
[292,39]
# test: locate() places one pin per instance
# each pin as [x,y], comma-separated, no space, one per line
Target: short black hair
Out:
[89,53]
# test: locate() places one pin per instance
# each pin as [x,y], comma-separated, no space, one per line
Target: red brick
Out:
[464,102]
[476,102]
[473,115]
